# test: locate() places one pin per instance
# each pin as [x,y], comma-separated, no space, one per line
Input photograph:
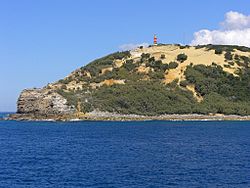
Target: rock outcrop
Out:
[43,102]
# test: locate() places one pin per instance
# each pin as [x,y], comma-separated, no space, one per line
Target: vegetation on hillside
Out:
[225,48]
[145,93]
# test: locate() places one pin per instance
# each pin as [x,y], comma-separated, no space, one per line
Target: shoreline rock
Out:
[107,116]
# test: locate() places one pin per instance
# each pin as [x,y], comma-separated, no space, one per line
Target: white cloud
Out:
[125,47]
[235,20]
[235,30]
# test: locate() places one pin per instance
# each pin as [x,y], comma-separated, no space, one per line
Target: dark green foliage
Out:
[86,107]
[75,97]
[96,66]
[228,56]
[157,75]
[222,92]
[164,67]
[70,96]
[173,65]
[145,56]
[246,60]
[125,72]
[182,57]
[183,47]
[226,48]
[184,83]
[218,51]
[144,97]
[156,65]
[228,91]
[64,81]
[129,65]
[209,79]
[151,59]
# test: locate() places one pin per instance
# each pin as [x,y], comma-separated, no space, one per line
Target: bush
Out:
[246,60]
[145,56]
[154,64]
[86,107]
[157,75]
[227,66]
[218,51]
[184,83]
[151,59]
[143,97]
[173,65]
[182,57]
[163,56]
[228,56]
[129,65]
[97,65]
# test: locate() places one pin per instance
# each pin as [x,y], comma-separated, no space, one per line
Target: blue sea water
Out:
[124,154]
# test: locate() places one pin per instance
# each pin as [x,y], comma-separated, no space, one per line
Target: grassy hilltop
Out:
[163,79]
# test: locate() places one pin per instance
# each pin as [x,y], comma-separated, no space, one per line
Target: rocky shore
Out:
[107,116]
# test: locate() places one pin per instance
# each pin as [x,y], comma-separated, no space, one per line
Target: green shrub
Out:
[173,65]
[182,57]
[143,97]
[145,56]
[157,75]
[155,64]
[151,59]
[97,65]
[228,56]
[218,51]
[184,83]
[129,65]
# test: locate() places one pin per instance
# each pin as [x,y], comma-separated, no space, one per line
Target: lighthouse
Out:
[155,40]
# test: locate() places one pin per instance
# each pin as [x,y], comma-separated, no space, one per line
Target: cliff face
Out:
[42,102]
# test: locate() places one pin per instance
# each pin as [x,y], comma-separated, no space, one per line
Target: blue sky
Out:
[44,40]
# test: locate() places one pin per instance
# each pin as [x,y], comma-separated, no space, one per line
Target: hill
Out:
[152,81]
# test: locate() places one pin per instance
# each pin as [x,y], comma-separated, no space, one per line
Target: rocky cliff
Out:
[43,102]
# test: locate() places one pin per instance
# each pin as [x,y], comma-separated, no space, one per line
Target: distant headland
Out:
[161,81]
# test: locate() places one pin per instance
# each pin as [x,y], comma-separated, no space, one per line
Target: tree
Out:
[228,56]
[182,57]
[129,65]
[218,51]
[173,65]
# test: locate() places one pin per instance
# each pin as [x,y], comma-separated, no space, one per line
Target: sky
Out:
[43,41]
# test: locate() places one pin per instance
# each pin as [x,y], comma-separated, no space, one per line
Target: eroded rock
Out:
[42,101]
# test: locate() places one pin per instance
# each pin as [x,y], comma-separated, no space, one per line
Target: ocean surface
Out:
[124,154]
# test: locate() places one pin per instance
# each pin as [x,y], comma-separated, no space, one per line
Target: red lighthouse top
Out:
[155,40]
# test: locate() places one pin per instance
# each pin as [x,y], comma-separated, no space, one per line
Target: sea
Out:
[147,154]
